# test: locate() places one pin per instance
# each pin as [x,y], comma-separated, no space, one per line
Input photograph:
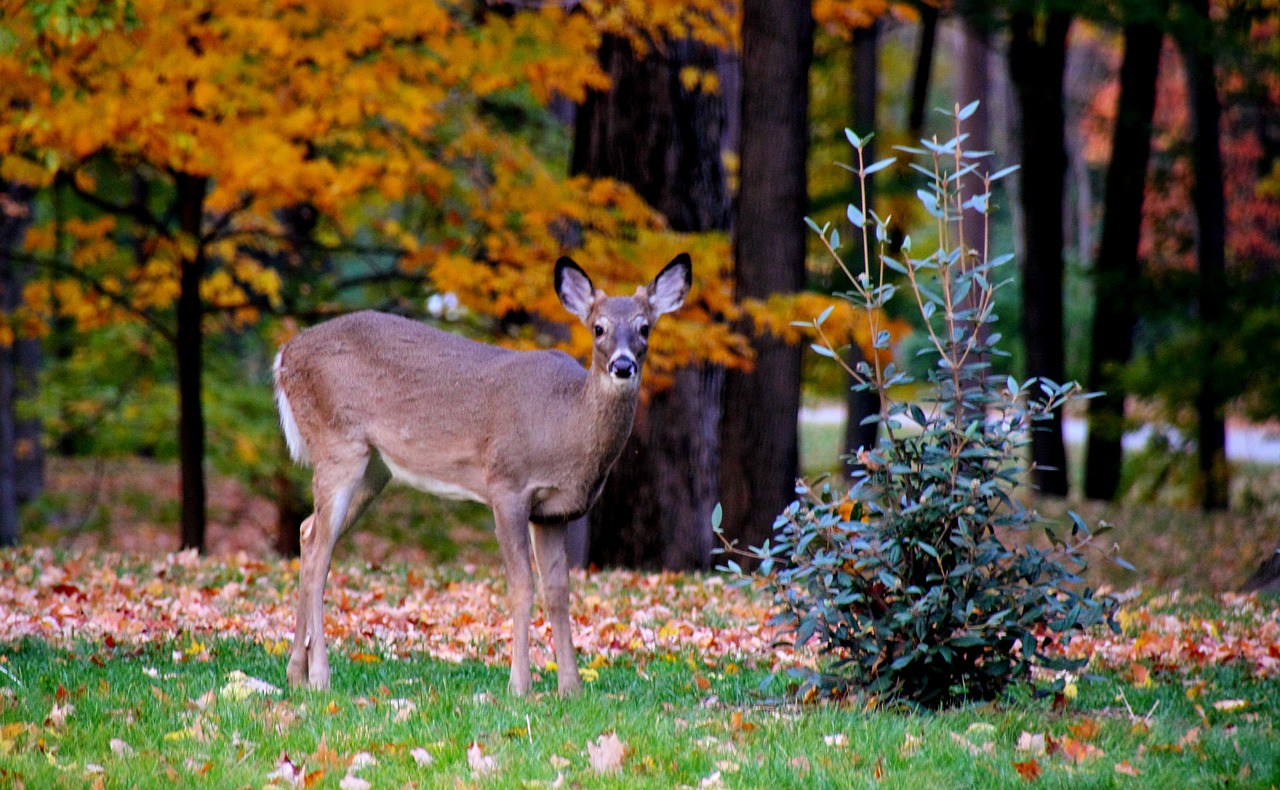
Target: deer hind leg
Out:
[342,493]
[511,522]
[553,571]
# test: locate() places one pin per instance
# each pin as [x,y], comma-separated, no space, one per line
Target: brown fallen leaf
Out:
[606,754]
[1229,705]
[1127,769]
[1086,730]
[1079,751]
[1029,770]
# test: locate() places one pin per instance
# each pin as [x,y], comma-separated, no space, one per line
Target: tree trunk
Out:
[1116,268]
[759,447]
[191,192]
[1037,62]
[651,132]
[15,217]
[299,255]
[1215,475]
[861,402]
[923,70]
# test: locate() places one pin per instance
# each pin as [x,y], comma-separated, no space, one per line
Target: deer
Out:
[369,397]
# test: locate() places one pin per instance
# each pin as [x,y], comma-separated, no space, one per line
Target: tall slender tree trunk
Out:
[1209,200]
[1037,62]
[760,451]
[652,132]
[861,403]
[15,218]
[923,70]
[191,191]
[1116,269]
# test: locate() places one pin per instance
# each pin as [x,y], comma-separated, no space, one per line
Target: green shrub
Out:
[919,582]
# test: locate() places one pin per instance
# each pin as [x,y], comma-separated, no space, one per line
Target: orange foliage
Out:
[371,116]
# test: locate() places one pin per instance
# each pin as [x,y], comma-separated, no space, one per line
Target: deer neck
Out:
[609,410]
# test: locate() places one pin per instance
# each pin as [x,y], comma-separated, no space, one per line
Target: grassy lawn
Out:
[133,684]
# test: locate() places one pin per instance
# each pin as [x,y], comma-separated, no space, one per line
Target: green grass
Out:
[681,721]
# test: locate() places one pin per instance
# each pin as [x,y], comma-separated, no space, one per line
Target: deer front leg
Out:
[511,522]
[553,571]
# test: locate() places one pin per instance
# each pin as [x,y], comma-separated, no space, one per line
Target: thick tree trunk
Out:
[759,446]
[1206,112]
[860,402]
[191,192]
[664,140]
[1116,269]
[1037,62]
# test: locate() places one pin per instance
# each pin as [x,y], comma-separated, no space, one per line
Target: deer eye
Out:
[644,330]
[599,330]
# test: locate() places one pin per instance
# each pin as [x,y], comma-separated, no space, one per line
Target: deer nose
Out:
[622,367]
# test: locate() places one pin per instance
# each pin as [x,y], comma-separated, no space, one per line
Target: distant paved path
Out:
[1245,441]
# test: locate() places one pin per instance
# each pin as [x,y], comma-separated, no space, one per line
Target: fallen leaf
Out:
[910,744]
[974,749]
[121,749]
[403,708]
[557,762]
[325,757]
[362,760]
[606,754]
[240,686]
[837,741]
[1086,730]
[59,714]
[1029,770]
[1229,705]
[1127,769]
[1079,751]
[481,764]
[350,782]
[1190,738]
[286,772]
[736,723]
[421,756]
[1028,742]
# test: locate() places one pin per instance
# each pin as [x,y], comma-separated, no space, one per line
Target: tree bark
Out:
[759,445]
[1209,201]
[15,218]
[1037,62]
[860,402]
[1116,268]
[191,191]
[650,131]
[923,70]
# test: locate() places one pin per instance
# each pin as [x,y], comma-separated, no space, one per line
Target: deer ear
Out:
[574,288]
[671,286]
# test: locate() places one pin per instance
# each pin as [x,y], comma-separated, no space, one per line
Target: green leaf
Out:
[823,350]
[878,166]
[967,110]
[856,216]
[999,174]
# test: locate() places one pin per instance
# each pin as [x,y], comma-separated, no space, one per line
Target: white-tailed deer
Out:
[369,397]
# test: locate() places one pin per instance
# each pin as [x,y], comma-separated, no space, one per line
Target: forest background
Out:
[185,186]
